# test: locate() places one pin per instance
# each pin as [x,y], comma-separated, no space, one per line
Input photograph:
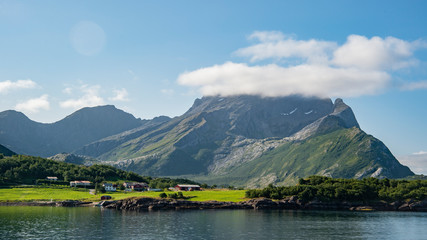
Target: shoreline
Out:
[290,203]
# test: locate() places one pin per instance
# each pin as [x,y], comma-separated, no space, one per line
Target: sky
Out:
[153,58]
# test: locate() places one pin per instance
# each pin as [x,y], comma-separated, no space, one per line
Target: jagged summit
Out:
[344,112]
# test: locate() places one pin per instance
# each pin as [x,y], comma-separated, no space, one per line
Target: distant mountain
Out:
[252,141]
[5,151]
[84,126]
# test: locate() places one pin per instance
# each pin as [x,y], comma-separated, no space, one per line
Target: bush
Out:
[333,189]
[163,195]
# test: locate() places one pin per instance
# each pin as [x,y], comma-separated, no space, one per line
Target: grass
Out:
[60,194]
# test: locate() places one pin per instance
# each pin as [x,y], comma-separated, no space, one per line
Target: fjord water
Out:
[97,223]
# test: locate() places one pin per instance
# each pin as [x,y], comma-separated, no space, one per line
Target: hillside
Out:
[21,169]
[5,151]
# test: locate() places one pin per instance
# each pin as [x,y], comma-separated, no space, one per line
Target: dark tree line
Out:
[353,190]
[21,169]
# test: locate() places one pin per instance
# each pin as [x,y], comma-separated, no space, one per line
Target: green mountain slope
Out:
[344,153]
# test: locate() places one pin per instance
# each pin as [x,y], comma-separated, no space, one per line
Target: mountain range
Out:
[240,140]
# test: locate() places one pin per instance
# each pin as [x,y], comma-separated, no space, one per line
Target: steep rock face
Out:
[194,138]
[252,141]
[25,136]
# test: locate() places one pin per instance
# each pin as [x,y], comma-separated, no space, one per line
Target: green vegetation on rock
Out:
[353,190]
[21,169]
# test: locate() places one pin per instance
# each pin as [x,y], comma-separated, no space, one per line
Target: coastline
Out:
[290,203]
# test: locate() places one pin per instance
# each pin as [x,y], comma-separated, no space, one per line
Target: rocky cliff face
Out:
[252,141]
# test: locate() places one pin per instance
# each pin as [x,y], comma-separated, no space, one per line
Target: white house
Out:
[109,187]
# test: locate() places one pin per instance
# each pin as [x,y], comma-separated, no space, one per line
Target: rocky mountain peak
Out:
[345,113]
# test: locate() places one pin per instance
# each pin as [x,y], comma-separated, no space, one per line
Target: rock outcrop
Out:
[291,203]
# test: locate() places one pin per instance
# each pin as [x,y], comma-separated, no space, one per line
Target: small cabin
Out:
[52,178]
[187,187]
[105,197]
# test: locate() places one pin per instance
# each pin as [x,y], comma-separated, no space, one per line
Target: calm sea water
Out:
[97,223]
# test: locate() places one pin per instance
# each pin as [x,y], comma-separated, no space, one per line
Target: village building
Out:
[109,187]
[187,187]
[52,178]
[136,186]
[80,183]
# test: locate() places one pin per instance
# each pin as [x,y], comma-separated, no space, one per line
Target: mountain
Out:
[5,151]
[252,141]
[84,126]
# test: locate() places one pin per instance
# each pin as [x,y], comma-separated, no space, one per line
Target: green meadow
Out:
[59,194]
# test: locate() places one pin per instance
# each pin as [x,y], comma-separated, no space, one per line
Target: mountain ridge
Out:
[218,136]
[234,140]
[26,136]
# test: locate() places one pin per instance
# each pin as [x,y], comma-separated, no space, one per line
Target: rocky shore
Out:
[291,203]
[262,203]
[67,203]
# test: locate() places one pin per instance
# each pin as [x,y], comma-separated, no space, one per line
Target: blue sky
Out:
[154,58]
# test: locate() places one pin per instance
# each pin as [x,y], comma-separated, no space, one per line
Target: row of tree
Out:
[353,190]
[20,169]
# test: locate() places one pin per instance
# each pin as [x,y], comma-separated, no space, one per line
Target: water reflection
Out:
[96,223]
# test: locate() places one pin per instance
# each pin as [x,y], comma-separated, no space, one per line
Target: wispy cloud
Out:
[420,153]
[167,91]
[34,105]
[89,98]
[8,85]
[120,95]
[414,86]
[134,76]
[417,162]
[360,66]
[277,46]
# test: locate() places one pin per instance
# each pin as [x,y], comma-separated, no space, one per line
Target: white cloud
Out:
[376,53]
[34,105]
[89,98]
[120,95]
[273,80]
[358,67]
[7,85]
[417,162]
[276,45]
[415,86]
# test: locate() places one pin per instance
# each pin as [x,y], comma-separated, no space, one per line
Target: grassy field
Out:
[59,194]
